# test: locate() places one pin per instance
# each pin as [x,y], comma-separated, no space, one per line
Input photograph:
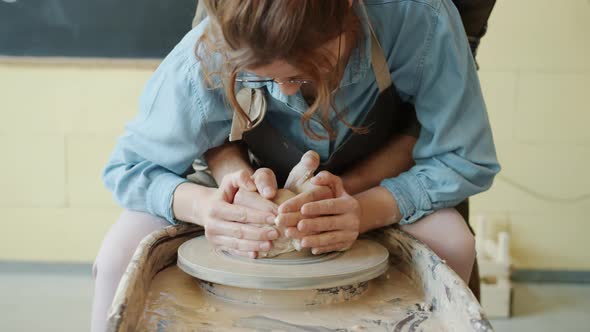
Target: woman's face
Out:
[281,71]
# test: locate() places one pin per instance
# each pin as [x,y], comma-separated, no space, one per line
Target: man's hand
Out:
[265,189]
[298,179]
[266,182]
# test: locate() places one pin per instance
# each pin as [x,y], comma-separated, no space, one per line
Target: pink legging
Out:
[444,231]
[114,255]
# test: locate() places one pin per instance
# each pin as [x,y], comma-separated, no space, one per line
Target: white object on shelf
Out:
[494,261]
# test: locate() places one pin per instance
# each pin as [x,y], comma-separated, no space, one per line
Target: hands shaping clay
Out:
[283,244]
[297,183]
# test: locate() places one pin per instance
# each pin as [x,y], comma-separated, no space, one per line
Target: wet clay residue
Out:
[393,302]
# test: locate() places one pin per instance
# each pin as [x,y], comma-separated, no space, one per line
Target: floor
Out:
[51,302]
[58,301]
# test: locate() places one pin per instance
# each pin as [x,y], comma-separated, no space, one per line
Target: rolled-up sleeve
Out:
[455,154]
[160,144]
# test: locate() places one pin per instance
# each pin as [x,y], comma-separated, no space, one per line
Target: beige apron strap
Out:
[380,66]
[378,61]
[200,13]
[252,101]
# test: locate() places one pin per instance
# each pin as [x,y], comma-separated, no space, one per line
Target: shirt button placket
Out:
[322,147]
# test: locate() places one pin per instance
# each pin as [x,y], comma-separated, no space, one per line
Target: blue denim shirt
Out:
[181,117]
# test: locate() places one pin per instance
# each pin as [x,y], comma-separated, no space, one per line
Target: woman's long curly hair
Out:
[255,33]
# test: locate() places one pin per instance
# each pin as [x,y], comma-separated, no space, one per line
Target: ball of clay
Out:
[282,196]
[283,244]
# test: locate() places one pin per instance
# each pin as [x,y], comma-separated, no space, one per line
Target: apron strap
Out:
[252,101]
[380,66]
[378,61]
[200,14]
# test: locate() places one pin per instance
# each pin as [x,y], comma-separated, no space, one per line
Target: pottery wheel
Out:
[364,261]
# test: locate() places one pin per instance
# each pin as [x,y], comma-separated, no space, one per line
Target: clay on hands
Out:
[282,244]
[293,186]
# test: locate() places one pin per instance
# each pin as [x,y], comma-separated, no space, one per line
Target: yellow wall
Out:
[59,124]
[535,72]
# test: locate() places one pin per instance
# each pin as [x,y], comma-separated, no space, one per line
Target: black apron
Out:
[389,116]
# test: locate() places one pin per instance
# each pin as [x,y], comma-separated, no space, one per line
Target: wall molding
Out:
[40,61]
[518,275]
[21,267]
[551,276]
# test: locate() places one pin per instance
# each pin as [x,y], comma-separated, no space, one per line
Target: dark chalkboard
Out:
[93,28]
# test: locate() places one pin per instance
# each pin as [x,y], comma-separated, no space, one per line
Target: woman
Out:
[325,69]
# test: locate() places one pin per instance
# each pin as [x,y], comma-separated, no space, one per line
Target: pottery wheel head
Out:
[290,258]
[364,261]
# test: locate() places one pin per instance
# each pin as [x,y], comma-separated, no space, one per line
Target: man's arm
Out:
[389,161]
[227,158]
[233,157]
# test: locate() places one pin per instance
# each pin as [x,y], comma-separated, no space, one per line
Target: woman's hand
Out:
[326,218]
[239,228]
